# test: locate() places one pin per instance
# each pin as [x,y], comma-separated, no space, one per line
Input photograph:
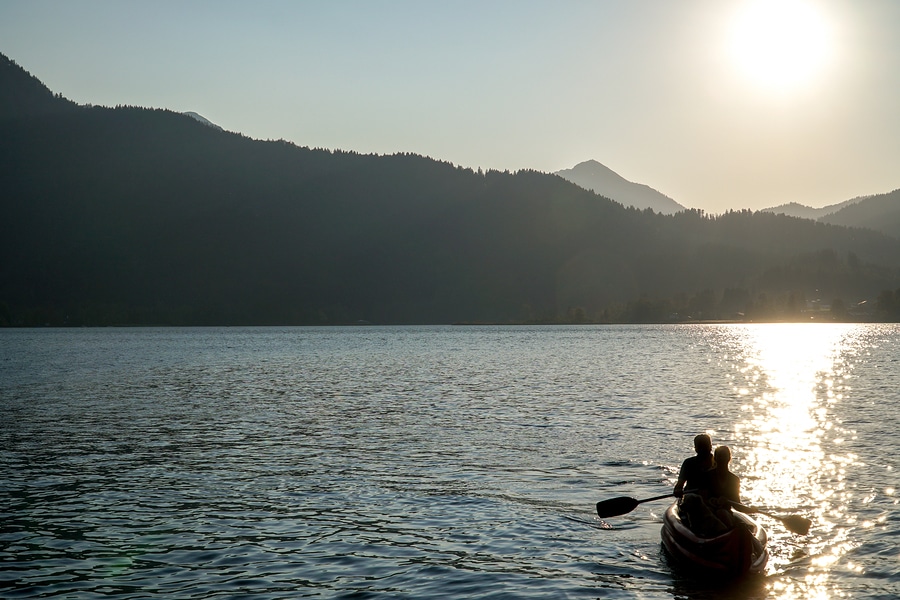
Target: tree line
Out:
[132,216]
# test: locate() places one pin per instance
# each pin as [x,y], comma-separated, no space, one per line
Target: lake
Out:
[436,462]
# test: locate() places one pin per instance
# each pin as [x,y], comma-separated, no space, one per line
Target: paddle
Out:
[793,523]
[621,505]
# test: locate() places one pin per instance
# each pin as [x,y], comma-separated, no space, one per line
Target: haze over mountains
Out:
[137,216]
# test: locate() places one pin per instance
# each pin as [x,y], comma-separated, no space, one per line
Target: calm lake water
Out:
[435,462]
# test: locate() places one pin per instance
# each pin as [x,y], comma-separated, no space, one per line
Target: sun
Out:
[779,45]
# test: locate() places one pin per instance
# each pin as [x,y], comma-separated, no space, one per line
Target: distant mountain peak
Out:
[202,119]
[597,168]
[600,179]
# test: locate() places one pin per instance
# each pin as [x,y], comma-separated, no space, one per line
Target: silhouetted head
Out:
[723,456]
[702,444]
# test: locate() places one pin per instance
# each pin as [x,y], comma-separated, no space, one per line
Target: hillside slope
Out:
[138,216]
[880,212]
[594,176]
[795,209]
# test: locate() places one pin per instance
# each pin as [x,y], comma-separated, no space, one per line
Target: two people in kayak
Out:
[708,490]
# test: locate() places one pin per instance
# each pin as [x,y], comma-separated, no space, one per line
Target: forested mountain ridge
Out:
[880,212]
[795,209]
[23,95]
[139,216]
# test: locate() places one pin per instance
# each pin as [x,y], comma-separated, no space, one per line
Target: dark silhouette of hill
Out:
[880,212]
[594,176]
[136,216]
[23,95]
[202,119]
[795,209]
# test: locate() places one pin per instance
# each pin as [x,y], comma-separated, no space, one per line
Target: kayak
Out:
[736,552]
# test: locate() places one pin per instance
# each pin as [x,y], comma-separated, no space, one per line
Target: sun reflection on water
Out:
[790,446]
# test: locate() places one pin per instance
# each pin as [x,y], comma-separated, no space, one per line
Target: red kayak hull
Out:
[737,552]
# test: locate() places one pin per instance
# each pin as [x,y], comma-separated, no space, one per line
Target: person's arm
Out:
[734,491]
[678,492]
[735,496]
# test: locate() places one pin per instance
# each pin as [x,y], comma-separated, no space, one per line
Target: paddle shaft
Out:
[794,523]
[751,509]
[669,495]
[621,505]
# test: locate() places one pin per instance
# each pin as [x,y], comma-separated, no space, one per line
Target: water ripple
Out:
[414,462]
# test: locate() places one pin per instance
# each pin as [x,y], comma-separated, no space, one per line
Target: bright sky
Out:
[717,103]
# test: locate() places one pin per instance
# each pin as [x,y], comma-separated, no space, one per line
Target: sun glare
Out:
[779,45]
[793,375]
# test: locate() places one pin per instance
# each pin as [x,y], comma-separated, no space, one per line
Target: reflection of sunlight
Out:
[789,442]
[786,364]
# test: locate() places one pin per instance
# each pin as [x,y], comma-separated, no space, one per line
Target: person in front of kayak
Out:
[695,475]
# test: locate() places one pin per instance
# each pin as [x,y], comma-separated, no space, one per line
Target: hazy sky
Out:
[719,104]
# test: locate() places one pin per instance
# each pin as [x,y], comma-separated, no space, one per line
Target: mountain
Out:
[591,175]
[880,212]
[23,95]
[134,216]
[795,209]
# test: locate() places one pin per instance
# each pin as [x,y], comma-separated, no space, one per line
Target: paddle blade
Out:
[796,524]
[616,506]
